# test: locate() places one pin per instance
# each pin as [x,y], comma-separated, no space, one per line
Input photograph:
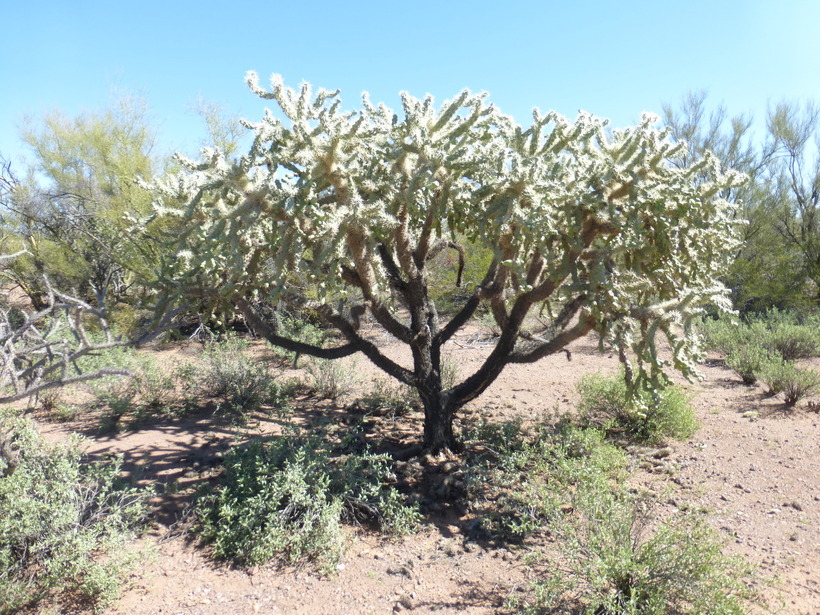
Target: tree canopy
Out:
[88,172]
[341,212]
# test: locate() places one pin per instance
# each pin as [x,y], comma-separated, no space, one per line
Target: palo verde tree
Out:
[341,212]
[67,213]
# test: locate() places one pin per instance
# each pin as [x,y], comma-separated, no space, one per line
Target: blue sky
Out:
[612,58]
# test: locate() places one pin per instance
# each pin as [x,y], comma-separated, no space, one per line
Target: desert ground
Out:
[753,467]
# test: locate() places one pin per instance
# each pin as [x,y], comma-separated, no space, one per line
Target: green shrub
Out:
[747,361]
[390,400]
[301,328]
[284,500]
[790,335]
[240,381]
[644,415]
[518,482]
[63,524]
[332,378]
[793,382]
[614,562]
[724,334]
[443,270]
[793,341]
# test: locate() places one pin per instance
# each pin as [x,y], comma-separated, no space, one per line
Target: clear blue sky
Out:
[612,58]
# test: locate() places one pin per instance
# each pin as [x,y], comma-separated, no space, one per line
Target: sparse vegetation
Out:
[385,399]
[332,379]
[767,347]
[237,380]
[617,560]
[787,334]
[747,361]
[519,481]
[785,377]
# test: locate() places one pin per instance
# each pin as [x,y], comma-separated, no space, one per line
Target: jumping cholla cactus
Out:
[341,213]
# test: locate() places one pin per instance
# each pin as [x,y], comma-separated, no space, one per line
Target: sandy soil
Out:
[754,466]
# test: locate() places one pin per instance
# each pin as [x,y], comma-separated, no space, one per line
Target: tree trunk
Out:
[438,424]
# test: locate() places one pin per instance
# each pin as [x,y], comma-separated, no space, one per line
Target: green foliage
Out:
[284,500]
[785,377]
[332,379]
[89,173]
[518,482]
[444,275]
[391,401]
[643,415]
[747,361]
[764,347]
[242,382]
[615,562]
[777,263]
[301,328]
[789,336]
[781,333]
[153,390]
[64,525]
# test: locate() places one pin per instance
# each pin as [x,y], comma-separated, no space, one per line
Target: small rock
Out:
[449,466]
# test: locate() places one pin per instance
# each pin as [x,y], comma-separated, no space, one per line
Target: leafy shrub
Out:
[332,378]
[63,525]
[612,562]
[747,361]
[301,328]
[443,270]
[724,334]
[643,415]
[519,484]
[154,390]
[284,500]
[229,373]
[794,342]
[793,382]
[390,400]
[787,334]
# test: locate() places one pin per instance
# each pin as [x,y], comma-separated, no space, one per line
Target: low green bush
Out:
[242,383]
[785,377]
[518,481]
[332,378]
[747,361]
[790,335]
[644,415]
[285,499]
[64,525]
[301,328]
[385,399]
[614,561]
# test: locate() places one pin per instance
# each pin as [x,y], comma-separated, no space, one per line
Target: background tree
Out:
[772,266]
[341,213]
[794,188]
[68,212]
